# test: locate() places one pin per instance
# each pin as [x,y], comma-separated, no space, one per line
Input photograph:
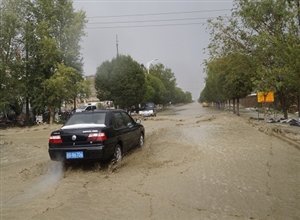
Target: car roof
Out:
[100,111]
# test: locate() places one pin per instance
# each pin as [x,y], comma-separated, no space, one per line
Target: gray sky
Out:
[171,31]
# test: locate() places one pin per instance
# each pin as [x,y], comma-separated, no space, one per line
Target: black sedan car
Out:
[96,135]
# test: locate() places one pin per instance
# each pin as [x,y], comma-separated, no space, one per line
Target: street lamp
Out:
[148,64]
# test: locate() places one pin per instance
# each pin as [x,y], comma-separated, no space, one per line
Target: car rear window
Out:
[147,108]
[95,118]
[82,107]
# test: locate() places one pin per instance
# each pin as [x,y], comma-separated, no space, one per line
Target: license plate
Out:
[145,114]
[74,155]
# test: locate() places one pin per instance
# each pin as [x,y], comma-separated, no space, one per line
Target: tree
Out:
[11,66]
[278,30]
[188,97]
[155,89]
[168,79]
[122,80]
[214,91]
[59,31]
[38,36]
[179,95]
[238,81]
[260,30]
[60,86]
[103,83]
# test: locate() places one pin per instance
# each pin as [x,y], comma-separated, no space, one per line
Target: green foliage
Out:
[124,81]
[169,81]
[259,46]
[11,84]
[155,89]
[188,97]
[121,80]
[40,40]
[102,81]
[41,62]
[60,86]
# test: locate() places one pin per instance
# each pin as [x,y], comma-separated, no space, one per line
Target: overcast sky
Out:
[171,31]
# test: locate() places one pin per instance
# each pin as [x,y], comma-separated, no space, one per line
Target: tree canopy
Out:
[39,40]
[41,64]
[256,48]
[127,83]
[121,80]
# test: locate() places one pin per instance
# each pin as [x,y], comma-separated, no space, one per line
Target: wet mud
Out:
[197,163]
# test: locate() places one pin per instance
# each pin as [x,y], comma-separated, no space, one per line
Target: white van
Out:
[86,108]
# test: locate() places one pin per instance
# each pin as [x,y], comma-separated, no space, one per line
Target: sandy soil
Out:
[197,163]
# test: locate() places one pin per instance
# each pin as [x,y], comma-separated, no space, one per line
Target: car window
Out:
[147,108]
[119,120]
[82,107]
[96,118]
[128,120]
[150,104]
[88,108]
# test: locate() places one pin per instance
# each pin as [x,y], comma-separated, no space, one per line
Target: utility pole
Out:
[117,45]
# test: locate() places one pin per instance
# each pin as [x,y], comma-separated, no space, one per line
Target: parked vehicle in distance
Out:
[86,108]
[148,109]
[96,135]
[205,104]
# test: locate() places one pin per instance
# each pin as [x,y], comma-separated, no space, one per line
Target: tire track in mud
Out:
[167,147]
[184,171]
[155,157]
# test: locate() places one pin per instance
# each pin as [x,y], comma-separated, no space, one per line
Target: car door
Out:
[134,133]
[123,130]
[89,108]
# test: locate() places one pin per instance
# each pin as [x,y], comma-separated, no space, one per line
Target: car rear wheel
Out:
[141,143]
[118,154]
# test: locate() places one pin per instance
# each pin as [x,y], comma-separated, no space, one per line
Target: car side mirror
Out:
[138,121]
[129,125]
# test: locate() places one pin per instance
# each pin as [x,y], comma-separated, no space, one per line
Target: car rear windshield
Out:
[147,108]
[94,118]
[150,104]
[82,107]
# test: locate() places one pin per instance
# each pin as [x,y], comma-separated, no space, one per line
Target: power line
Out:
[150,1]
[151,25]
[163,13]
[122,22]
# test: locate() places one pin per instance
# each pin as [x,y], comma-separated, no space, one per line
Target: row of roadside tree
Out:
[256,49]
[41,65]
[128,83]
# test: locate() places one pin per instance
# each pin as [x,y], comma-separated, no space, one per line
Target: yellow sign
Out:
[265,97]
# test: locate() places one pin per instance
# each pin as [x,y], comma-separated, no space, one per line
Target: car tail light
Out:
[55,139]
[99,136]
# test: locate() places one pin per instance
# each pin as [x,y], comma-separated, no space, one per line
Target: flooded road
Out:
[198,163]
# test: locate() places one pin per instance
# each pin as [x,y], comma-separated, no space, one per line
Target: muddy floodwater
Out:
[197,163]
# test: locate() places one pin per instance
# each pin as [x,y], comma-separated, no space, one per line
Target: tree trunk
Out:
[75,103]
[299,107]
[238,106]
[52,114]
[27,110]
[283,99]
[285,113]
[233,106]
